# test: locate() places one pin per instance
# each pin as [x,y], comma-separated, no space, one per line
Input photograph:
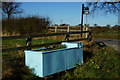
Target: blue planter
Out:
[50,62]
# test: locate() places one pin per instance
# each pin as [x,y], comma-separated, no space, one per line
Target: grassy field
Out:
[107,33]
[106,36]
[99,62]
[22,42]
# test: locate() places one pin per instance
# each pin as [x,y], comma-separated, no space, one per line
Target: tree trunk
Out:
[8,16]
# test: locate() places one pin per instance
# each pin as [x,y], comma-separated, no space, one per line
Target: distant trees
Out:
[116,27]
[78,25]
[64,25]
[105,29]
[108,25]
[95,25]
[55,25]
[11,8]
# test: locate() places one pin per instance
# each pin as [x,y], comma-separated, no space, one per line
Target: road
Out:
[110,42]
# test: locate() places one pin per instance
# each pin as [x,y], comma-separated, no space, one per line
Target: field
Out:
[105,33]
[99,62]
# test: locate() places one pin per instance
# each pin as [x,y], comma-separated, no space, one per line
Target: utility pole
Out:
[61,21]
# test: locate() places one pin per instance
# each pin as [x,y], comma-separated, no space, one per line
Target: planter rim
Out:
[46,52]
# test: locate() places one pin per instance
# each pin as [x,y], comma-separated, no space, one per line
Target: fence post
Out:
[68,28]
[29,42]
[55,29]
[90,36]
[83,34]
[67,36]
[86,33]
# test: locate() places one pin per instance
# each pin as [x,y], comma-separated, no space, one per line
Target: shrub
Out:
[25,26]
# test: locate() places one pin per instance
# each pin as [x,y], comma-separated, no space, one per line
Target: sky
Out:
[59,0]
[66,12]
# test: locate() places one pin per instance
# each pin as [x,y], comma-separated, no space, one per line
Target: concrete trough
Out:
[49,62]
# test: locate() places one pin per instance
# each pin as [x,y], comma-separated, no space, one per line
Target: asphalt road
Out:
[110,42]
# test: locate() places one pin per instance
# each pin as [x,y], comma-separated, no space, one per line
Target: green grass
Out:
[21,42]
[99,62]
[108,34]
[103,64]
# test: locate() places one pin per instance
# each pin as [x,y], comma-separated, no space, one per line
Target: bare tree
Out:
[107,7]
[11,8]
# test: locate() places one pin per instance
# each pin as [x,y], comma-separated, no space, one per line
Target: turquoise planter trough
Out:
[50,62]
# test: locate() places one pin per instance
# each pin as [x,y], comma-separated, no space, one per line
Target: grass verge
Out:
[99,62]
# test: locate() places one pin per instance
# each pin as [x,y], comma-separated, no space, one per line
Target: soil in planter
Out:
[54,47]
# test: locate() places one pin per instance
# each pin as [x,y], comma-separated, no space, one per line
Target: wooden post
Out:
[55,29]
[29,42]
[86,33]
[82,18]
[67,36]
[68,28]
[84,30]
